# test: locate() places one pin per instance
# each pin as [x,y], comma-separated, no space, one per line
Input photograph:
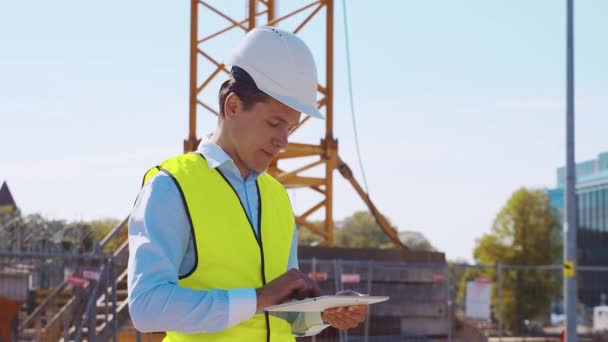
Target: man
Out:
[212,237]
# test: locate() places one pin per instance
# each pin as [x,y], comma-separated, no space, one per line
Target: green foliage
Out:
[525,232]
[308,238]
[102,227]
[360,230]
[415,241]
[35,233]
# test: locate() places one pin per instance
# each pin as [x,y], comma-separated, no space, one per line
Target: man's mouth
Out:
[270,155]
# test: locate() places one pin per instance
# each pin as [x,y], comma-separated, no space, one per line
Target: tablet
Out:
[318,304]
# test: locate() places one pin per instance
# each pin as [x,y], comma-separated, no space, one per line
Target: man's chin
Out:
[260,168]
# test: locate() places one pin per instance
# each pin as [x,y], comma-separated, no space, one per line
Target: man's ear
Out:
[232,106]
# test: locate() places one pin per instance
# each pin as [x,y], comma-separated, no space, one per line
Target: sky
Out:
[457,103]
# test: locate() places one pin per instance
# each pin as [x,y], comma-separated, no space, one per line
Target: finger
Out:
[302,280]
[305,291]
[328,311]
[312,288]
[347,320]
[298,284]
[358,308]
[357,316]
[302,294]
[352,318]
[298,295]
[337,309]
[294,272]
[336,321]
[301,285]
[315,291]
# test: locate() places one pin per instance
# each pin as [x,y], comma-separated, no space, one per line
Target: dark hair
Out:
[244,87]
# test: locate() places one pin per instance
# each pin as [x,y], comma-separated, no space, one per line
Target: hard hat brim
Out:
[308,109]
[300,107]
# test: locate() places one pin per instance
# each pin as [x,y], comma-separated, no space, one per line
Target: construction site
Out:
[50,296]
[71,287]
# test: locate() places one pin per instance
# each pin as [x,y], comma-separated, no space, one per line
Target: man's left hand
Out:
[345,317]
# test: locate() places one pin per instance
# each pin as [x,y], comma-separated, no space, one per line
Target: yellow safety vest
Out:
[231,256]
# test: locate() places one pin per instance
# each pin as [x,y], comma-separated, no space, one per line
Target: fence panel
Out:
[418,308]
[527,300]
[45,296]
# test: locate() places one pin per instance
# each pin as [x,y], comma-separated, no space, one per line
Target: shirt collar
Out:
[217,158]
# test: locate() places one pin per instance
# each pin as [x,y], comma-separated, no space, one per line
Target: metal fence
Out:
[527,300]
[67,297]
[57,297]
[417,311]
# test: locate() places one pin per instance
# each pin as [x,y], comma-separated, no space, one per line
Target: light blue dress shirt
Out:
[161,249]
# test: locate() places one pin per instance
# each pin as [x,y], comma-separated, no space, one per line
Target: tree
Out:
[525,232]
[360,230]
[415,241]
[308,238]
[102,227]
[35,233]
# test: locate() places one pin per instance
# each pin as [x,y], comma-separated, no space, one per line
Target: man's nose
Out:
[280,140]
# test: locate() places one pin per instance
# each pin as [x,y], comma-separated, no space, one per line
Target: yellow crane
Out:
[264,12]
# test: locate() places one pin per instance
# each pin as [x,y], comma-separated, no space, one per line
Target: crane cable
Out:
[350,93]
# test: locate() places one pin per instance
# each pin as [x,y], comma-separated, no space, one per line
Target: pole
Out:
[449,300]
[370,275]
[499,271]
[570,290]
[314,272]
[191,142]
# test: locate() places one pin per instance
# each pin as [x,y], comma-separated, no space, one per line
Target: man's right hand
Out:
[292,284]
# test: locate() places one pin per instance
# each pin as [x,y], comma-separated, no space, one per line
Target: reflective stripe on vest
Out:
[228,253]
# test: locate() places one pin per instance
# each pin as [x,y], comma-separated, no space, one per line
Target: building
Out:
[592,223]
[7,203]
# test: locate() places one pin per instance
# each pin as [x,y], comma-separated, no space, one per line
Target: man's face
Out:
[259,133]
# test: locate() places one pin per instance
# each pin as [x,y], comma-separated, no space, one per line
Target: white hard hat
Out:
[281,65]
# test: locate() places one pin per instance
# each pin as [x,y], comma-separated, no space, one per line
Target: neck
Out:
[221,139]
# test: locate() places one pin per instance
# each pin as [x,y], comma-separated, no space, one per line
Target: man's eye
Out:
[274,124]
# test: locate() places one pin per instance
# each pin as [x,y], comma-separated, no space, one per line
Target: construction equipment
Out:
[57,318]
[326,151]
